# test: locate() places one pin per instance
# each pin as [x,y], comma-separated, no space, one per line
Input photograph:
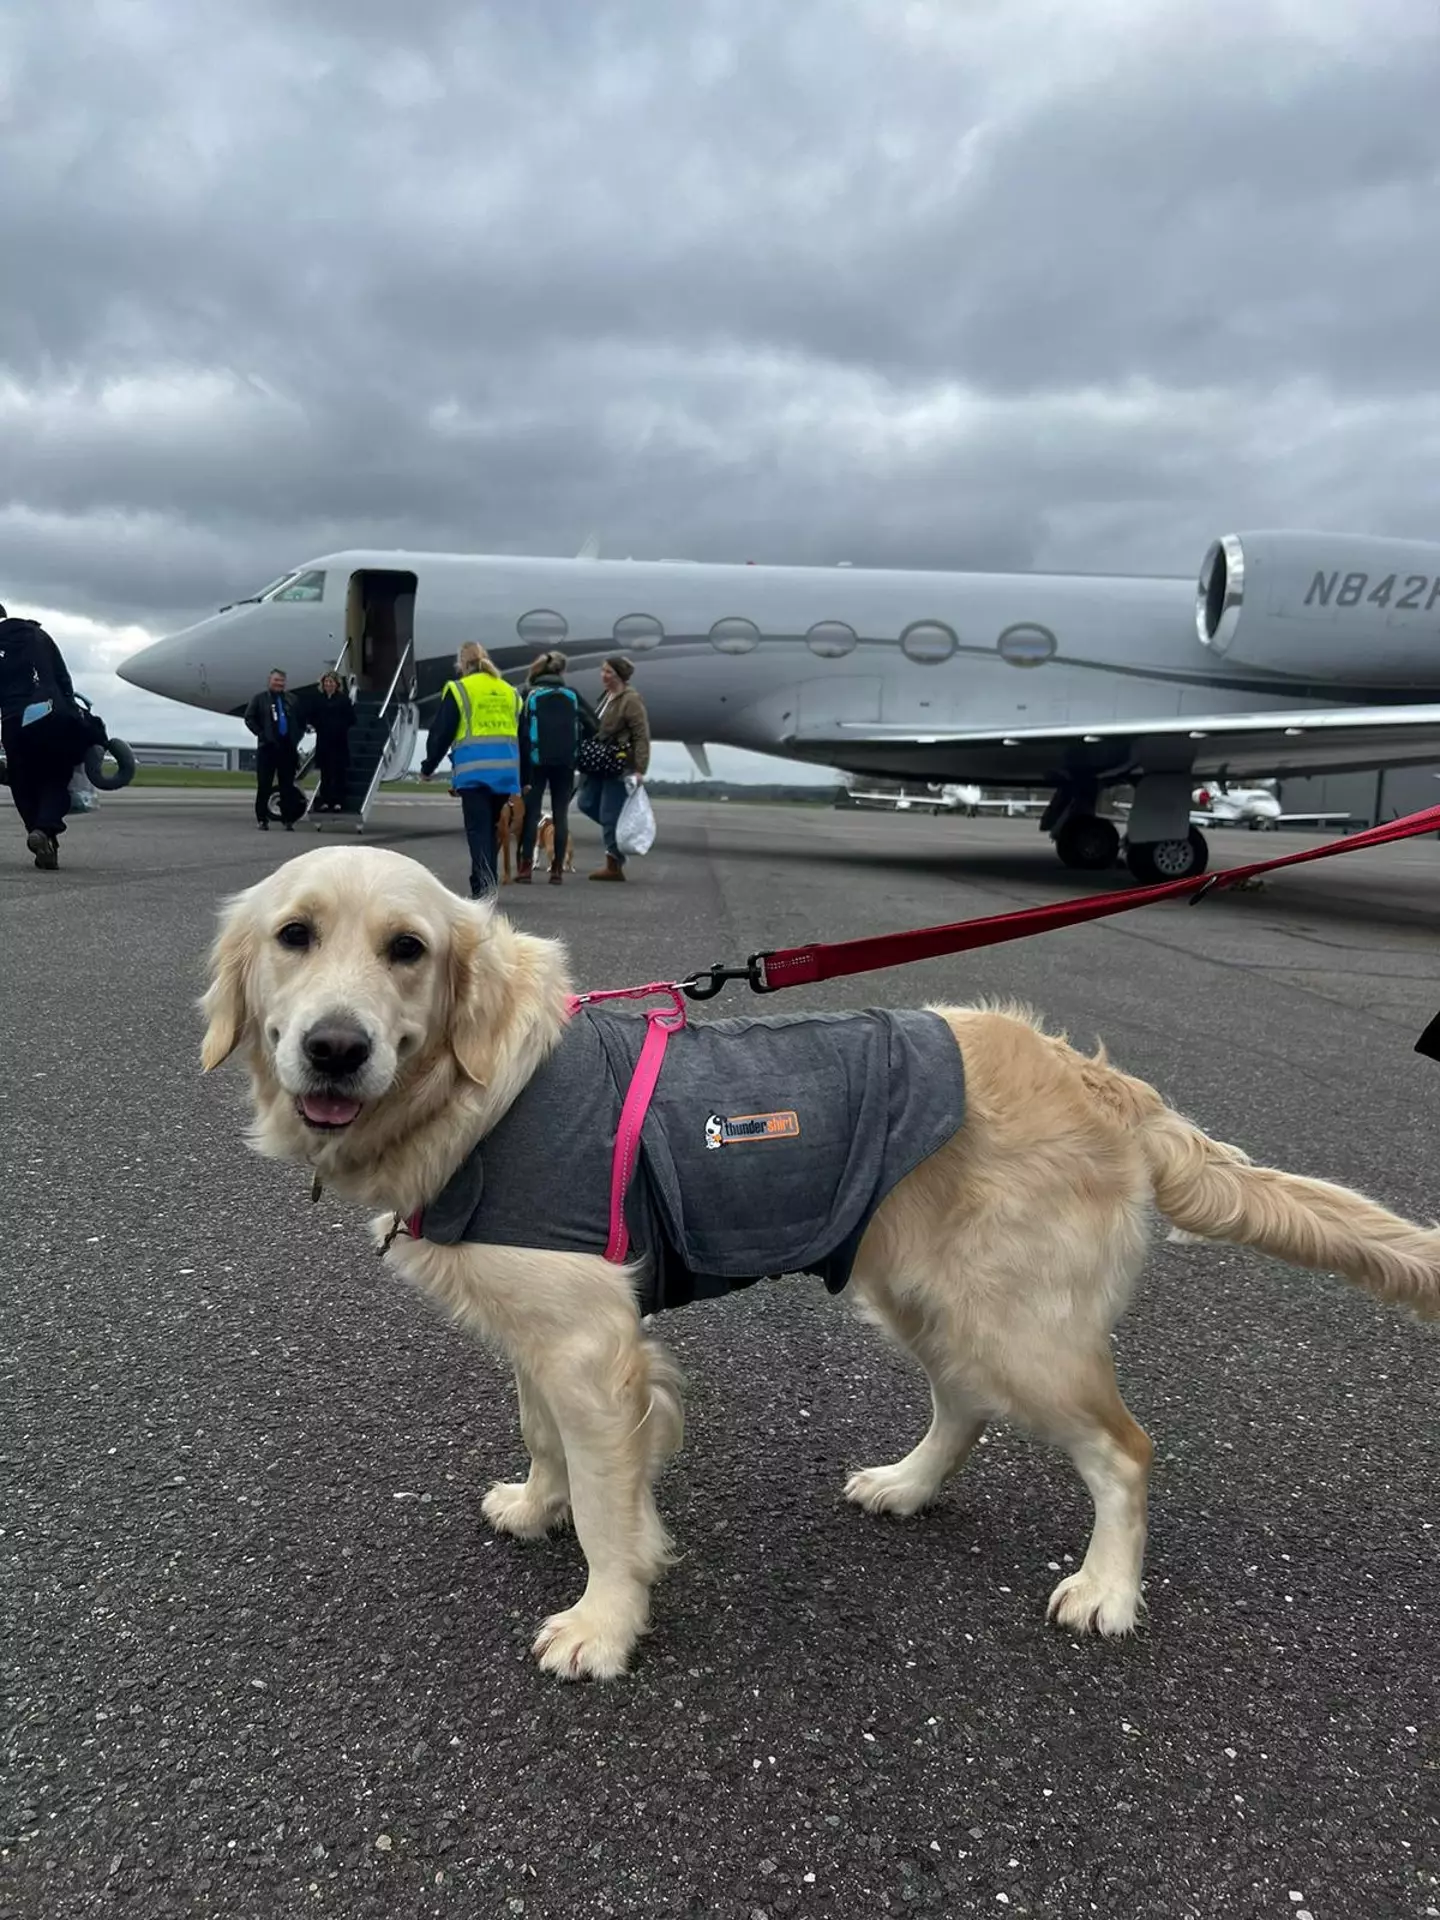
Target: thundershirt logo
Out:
[743,1127]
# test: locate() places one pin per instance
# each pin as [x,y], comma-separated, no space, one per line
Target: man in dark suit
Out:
[277,722]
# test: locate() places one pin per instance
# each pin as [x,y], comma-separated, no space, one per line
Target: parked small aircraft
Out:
[1255,807]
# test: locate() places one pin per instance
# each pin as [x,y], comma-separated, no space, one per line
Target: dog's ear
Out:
[473,998]
[225,1003]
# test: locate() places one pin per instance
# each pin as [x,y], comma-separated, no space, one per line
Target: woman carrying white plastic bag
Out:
[619,752]
[635,829]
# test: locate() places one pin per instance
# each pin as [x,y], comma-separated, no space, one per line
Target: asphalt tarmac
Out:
[261,1656]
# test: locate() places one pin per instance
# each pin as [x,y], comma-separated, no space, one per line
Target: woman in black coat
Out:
[332,717]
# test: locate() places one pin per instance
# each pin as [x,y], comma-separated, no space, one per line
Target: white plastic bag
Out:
[83,797]
[635,829]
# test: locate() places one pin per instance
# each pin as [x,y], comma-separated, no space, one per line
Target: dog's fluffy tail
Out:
[665,1402]
[1212,1191]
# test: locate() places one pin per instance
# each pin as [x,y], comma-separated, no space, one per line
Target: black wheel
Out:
[276,810]
[1088,842]
[124,773]
[1157,860]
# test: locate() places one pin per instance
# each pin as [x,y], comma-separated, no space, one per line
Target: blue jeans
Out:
[603,801]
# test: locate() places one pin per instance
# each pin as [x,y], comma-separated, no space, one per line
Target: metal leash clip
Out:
[705,984]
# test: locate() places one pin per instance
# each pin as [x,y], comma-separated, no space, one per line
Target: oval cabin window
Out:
[638,632]
[1027,644]
[734,635]
[543,627]
[831,639]
[927,642]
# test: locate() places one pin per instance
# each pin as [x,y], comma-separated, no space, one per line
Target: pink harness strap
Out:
[661,1022]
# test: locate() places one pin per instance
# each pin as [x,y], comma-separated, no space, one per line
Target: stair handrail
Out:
[374,786]
[344,670]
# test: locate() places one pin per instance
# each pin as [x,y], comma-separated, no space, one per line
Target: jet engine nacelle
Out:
[1301,604]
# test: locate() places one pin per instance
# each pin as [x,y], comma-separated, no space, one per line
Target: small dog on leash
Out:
[508,830]
[389,1028]
[545,843]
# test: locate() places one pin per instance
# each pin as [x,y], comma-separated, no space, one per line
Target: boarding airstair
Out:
[382,743]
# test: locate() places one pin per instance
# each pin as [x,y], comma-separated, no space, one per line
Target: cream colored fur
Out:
[1001,1264]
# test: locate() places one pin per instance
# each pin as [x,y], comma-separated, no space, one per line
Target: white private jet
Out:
[1258,808]
[1297,652]
[945,797]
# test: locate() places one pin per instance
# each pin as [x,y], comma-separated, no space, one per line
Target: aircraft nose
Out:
[165,667]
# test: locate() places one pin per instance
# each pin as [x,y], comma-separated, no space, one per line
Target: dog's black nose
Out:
[336,1048]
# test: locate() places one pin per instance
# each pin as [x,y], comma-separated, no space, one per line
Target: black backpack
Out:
[533,703]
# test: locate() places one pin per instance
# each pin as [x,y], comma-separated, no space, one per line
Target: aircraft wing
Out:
[1213,746]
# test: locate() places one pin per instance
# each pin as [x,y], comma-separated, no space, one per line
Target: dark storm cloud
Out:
[1000,285]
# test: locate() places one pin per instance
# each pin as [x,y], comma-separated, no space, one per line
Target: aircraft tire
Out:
[124,773]
[1088,843]
[1155,860]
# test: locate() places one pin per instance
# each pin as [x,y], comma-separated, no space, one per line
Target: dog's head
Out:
[365,994]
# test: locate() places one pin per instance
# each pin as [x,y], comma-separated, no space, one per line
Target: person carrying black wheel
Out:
[43,730]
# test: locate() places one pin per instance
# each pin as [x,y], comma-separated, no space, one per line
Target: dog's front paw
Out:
[887,1490]
[588,1641]
[1084,1604]
[513,1507]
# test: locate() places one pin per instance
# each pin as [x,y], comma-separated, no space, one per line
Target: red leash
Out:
[799,966]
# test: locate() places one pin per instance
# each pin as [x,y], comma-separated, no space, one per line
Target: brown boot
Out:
[556,876]
[523,871]
[612,869]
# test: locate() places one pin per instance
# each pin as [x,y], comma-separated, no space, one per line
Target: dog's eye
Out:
[294,934]
[406,948]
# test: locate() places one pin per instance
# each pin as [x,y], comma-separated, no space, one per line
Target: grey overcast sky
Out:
[964,283]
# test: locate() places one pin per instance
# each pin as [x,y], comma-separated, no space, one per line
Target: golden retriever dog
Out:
[545,844]
[509,826]
[387,1024]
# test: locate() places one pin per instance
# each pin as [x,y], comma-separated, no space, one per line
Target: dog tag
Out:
[315,1189]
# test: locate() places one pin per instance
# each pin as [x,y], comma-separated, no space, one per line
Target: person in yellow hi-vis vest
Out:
[478,724]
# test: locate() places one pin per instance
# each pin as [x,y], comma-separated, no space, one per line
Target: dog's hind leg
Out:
[601,1397]
[1112,1455]
[955,1424]
[529,1508]
[1044,1361]
[1057,1379]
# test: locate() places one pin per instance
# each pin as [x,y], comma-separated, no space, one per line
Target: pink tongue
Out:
[328,1109]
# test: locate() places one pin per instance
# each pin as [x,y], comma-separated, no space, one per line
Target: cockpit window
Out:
[267,593]
[299,586]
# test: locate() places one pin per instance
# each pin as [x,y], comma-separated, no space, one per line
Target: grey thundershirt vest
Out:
[769,1144]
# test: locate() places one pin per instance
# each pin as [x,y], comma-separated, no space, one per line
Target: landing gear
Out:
[1083,838]
[1087,842]
[1152,861]
[1160,841]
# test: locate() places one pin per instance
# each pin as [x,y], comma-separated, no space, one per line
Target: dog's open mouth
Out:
[328,1112]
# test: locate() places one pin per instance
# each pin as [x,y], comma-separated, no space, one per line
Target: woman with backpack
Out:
[553,722]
